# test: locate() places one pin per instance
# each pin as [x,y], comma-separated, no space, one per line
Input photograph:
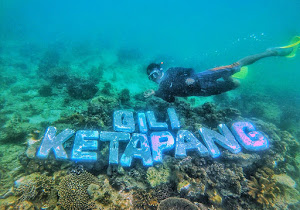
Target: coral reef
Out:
[246,180]
[289,195]
[26,191]
[263,187]
[230,182]
[15,130]
[58,76]
[105,197]
[131,180]
[96,74]
[107,89]
[34,186]
[45,91]
[102,107]
[25,205]
[201,179]
[144,199]
[158,175]
[214,197]
[174,203]
[79,88]
[10,168]
[282,156]
[80,120]
[164,191]
[273,190]
[72,191]
[241,159]
[191,180]
[98,114]
[124,97]
[31,165]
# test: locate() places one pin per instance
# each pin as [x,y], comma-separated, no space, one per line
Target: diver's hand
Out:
[189,81]
[149,93]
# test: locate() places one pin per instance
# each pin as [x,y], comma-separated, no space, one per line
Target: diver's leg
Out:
[219,72]
[269,52]
[218,87]
[226,72]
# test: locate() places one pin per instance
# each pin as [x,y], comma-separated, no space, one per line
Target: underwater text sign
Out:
[154,138]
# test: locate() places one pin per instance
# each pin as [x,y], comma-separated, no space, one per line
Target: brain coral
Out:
[73,193]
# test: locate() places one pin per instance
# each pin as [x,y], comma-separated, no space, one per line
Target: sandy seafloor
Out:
[73,65]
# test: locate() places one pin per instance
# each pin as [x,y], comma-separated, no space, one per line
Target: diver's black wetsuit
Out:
[210,82]
[206,83]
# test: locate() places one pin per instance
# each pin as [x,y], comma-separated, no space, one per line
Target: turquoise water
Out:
[70,64]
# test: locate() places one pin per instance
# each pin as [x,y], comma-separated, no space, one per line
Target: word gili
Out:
[154,138]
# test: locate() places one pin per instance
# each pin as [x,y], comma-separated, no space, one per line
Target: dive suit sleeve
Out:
[167,97]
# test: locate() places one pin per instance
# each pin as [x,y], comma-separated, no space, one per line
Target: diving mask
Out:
[155,73]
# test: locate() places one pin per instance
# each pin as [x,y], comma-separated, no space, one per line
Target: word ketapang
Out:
[154,138]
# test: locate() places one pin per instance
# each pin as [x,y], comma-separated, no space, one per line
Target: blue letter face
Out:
[161,141]
[142,123]
[50,141]
[153,124]
[132,151]
[248,137]
[124,121]
[227,141]
[114,138]
[187,141]
[175,124]
[85,140]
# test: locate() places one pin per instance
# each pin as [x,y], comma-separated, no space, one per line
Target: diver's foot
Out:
[280,51]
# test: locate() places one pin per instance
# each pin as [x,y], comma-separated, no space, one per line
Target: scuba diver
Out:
[183,82]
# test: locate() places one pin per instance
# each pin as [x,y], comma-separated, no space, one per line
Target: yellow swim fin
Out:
[294,43]
[242,73]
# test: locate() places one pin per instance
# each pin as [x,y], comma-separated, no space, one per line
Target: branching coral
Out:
[26,191]
[34,186]
[263,187]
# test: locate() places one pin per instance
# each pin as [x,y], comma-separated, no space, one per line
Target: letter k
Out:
[50,141]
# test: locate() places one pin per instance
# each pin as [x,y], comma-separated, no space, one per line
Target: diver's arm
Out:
[151,92]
